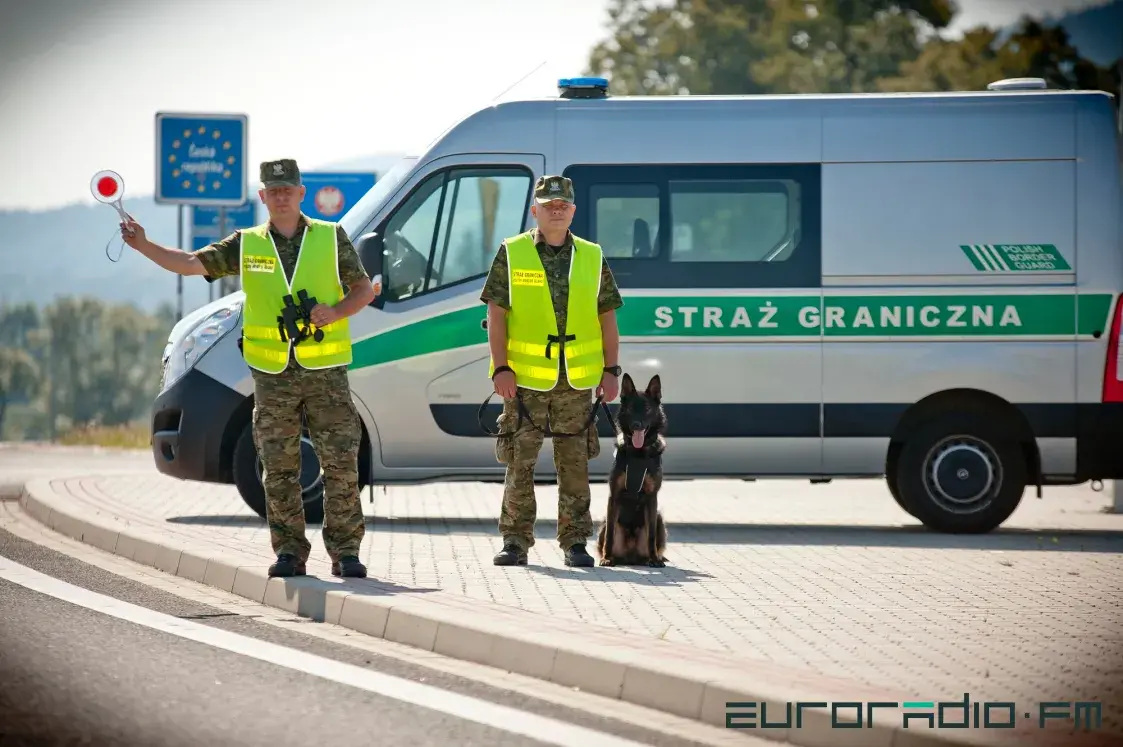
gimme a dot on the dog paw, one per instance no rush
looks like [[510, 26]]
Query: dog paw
[[607, 561], [656, 563]]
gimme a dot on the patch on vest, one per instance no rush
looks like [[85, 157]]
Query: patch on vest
[[528, 277], [259, 264]]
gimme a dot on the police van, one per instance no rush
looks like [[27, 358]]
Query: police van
[[917, 286]]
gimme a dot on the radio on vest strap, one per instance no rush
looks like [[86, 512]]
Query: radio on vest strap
[[551, 339]]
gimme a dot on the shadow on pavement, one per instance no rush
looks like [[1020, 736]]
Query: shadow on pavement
[[311, 592], [666, 576], [843, 535]]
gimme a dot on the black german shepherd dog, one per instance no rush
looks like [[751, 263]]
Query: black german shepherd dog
[[633, 532]]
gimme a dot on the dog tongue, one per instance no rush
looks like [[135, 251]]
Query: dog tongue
[[637, 439]]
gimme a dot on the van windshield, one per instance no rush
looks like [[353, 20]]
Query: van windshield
[[360, 212]]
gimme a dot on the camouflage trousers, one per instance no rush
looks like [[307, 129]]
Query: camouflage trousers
[[324, 398], [566, 410]]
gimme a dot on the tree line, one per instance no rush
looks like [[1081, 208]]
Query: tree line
[[726, 47], [76, 363]]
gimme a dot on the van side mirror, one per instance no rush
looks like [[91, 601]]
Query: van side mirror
[[371, 249]]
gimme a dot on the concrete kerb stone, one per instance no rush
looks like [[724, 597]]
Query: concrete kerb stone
[[650, 673], [11, 491]]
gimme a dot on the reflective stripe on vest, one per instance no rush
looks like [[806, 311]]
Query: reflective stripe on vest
[[265, 286], [533, 343]]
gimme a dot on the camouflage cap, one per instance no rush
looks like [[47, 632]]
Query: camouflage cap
[[283, 172], [550, 188]]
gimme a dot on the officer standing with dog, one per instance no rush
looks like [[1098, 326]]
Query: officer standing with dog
[[309, 376], [551, 321]]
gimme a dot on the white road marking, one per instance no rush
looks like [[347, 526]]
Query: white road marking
[[484, 712]]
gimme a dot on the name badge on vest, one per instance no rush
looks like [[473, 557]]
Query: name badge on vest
[[259, 264], [528, 277]]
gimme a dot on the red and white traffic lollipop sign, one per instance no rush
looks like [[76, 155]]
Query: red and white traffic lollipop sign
[[108, 188]]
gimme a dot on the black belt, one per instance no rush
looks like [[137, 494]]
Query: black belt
[[561, 341]]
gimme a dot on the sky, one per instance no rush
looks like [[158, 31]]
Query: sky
[[321, 81]]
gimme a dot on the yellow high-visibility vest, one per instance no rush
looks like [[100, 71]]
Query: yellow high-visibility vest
[[534, 345], [265, 286]]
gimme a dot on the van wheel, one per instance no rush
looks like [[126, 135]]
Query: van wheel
[[891, 482], [248, 470], [959, 474]]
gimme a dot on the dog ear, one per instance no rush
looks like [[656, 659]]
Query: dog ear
[[627, 386], [655, 388]]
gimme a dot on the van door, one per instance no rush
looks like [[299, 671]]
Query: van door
[[421, 365]]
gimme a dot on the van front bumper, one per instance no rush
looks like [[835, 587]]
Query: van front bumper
[[189, 421]]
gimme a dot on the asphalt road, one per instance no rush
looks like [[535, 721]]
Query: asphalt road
[[73, 675]]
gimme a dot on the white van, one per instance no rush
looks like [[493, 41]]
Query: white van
[[920, 286]]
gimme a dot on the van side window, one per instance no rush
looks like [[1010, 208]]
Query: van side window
[[447, 231], [734, 221], [625, 218], [704, 225]]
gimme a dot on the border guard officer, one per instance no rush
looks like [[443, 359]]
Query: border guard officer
[[551, 322], [292, 378]]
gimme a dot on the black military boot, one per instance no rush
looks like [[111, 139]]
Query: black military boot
[[511, 554], [287, 565], [349, 567], [579, 557]]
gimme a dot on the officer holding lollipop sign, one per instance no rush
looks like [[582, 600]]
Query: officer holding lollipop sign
[[307, 375]]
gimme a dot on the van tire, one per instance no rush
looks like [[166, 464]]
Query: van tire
[[247, 478], [891, 483], [961, 461]]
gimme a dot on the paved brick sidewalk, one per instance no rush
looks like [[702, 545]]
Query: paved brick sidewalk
[[834, 579]]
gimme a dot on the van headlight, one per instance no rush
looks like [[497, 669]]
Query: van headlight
[[182, 355]]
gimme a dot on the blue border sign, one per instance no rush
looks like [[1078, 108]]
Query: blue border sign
[[201, 159], [205, 223], [329, 195]]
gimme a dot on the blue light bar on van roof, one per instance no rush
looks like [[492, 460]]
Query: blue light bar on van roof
[[583, 88]]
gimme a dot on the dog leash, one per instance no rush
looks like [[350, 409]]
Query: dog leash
[[548, 432]]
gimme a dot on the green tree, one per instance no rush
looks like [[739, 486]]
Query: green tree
[[823, 46], [761, 46], [17, 323], [19, 379], [981, 56], [78, 362]]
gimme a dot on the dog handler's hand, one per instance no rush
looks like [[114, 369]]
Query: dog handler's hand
[[609, 387], [505, 384]]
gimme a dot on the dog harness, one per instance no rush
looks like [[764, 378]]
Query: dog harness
[[636, 468]]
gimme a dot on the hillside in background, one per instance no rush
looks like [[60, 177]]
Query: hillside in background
[[59, 252]]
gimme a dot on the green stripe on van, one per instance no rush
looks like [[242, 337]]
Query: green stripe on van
[[929, 316]]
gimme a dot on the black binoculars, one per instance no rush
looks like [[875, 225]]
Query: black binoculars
[[291, 313]]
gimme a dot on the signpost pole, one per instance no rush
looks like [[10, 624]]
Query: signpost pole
[[222, 233], [179, 278]]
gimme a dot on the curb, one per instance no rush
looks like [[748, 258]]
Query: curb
[[643, 671]]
